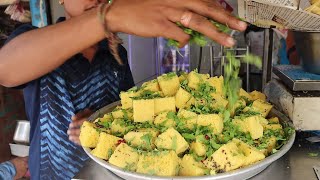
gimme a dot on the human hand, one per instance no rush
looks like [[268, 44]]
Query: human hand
[[153, 18], [74, 127], [21, 165]]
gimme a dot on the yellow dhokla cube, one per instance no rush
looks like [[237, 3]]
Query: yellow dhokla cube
[[219, 101], [143, 110], [258, 95], [213, 121], [183, 76], [188, 118], [244, 94], [241, 124], [105, 118], [271, 144], [106, 145], [163, 120], [141, 139], [164, 104], [241, 103], [199, 148], [190, 167], [119, 127], [254, 126], [217, 83], [88, 135], [169, 84], [252, 154], [122, 113], [126, 99], [263, 107], [182, 97], [228, 157], [171, 139], [274, 120], [161, 163], [125, 157], [117, 113], [194, 79], [263, 121], [151, 86]]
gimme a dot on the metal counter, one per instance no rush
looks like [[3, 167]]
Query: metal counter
[[297, 164]]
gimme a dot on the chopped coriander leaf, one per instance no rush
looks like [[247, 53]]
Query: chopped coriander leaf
[[169, 75], [98, 130], [209, 152], [147, 94], [106, 124], [174, 143], [313, 154], [214, 145], [129, 167], [125, 114], [147, 138], [197, 158], [110, 152], [274, 151], [189, 137], [133, 89], [151, 172]]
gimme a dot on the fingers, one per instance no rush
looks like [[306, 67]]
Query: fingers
[[76, 124], [172, 31], [211, 9], [85, 113], [73, 132], [74, 135], [75, 140], [202, 25]]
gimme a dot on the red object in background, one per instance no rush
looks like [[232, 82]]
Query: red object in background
[[225, 5], [292, 53]]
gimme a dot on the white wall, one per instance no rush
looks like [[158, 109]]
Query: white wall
[[56, 10], [142, 58]]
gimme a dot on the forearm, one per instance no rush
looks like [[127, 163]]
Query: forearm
[[40, 51]]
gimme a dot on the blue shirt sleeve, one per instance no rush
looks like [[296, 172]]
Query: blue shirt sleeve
[[7, 170]]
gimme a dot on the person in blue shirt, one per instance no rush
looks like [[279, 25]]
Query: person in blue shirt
[[69, 70], [14, 169]]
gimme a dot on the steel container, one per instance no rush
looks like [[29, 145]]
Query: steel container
[[242, 173], [22, 132]]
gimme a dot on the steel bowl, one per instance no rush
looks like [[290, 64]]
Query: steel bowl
[[308, 48], [22, 132], [242, 173]]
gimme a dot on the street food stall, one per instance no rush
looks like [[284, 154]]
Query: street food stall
[[268, 130]]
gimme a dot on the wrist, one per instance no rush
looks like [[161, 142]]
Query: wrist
[[110, 33]]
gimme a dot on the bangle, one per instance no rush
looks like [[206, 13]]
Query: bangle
[[113, 39]]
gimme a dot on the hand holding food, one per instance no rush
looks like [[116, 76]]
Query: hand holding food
[[152, 18]]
